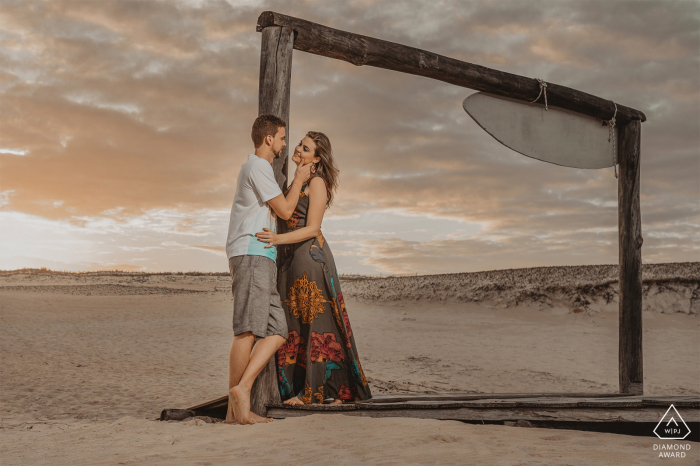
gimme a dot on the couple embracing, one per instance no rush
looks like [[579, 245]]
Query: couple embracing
[[291, 305]]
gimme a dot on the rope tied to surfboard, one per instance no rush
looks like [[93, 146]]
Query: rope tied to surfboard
[[611, 137], [543, 88]]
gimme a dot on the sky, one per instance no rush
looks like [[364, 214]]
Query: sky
[[123, 125]]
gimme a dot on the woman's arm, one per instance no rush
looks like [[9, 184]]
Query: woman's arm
[[317, 207]]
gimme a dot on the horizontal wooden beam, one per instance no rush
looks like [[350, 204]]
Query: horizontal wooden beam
[[613, 400], [639, 414], [591, 407], [362, 50], [502, 403], [404, 397], [452, 396]]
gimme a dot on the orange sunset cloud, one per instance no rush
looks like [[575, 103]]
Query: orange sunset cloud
[[123, 126]]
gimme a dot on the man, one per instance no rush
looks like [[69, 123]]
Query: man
[[257, 307]]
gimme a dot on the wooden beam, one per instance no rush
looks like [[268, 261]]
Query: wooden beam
[[404, 397], [362, 50], [501, 406], [223, 400], [599, 400], [630, 231], [275, 85], [502, 403], [607, 409], [273, 98], [631, 414]]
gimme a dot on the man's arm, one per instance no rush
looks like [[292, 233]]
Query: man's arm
[[317, 206], [284, 206]]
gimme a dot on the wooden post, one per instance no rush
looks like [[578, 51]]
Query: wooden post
[[273, 99], [275, 85], [630, 230]]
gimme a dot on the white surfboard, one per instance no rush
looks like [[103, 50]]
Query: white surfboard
[[556, 136]]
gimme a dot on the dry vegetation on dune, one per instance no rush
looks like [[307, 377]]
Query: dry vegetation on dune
[[101, 290], [668, 288], [113, 284], [106, 273]]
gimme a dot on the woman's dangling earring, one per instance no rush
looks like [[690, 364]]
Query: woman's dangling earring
[[314, 168]]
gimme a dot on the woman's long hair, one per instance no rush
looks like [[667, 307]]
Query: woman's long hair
[[326, 167]]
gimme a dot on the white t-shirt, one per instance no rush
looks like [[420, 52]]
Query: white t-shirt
[[250, 214]]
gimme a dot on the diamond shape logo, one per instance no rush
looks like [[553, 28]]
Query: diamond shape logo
[[672, 426]]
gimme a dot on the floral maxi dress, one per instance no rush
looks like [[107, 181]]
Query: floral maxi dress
[[319, 359]]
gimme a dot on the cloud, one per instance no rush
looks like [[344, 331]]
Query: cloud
[[217, 250], [13, 151], [132, 118]]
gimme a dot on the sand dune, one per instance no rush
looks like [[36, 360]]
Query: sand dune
[[101, 290], [89, 360], [668, 288]]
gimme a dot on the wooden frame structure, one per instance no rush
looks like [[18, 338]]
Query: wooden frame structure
[[282, 34], [547, 409]]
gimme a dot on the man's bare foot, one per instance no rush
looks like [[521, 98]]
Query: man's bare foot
[[230, 417], [293, 401], [336, 402], [241, 404], [259, 419]]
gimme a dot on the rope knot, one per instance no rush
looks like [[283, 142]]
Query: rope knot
[[543, 88], [611, 137]]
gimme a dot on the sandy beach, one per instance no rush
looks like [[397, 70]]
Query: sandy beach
[[89, 361]]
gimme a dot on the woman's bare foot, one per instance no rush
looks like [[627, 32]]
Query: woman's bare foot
[[336, 402], [294, 401], [240, 401]]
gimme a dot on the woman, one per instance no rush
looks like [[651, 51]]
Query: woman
[[319, 361]]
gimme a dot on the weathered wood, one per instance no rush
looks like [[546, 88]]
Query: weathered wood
[[678, 402], [559, 403], [211, 403], [176, 414], [547, 404], [478, 396], [644, 414], [606, 409], [447, 397], [273, 98], [265, 391], [622, 402], [275, 85], [630, 232], [593, 408], [362, 50]]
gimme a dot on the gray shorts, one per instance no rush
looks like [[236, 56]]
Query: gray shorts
[[256, 302]]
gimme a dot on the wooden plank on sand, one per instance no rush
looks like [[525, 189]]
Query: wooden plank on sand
[[501, 400], [498, 407], [479, 396], [645, 414]]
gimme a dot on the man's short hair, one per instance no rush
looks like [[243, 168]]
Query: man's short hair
[[265, 125]]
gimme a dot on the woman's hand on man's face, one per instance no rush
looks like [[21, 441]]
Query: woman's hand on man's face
[[267, 236]]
